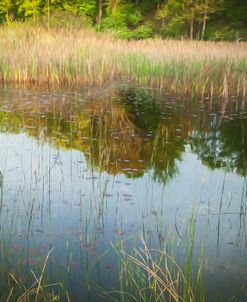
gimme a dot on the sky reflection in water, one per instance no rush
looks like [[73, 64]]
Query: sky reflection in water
[[83, 169]]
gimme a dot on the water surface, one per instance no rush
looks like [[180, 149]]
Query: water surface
[[84, 170]]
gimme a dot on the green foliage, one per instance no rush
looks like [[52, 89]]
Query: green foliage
[[110, 23], [195, 19], [30, 8], [125, 21], [144, 31], [123, 33], [134, 18], [87, 8], [122, 16], [223, 34], [63, 19], [6, 7], [168, 10]]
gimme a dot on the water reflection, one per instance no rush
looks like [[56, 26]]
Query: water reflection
[[224, 146], [129, 131], [84, 169]]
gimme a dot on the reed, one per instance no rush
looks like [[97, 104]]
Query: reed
[[149, 275], [38, 291], [34, 55]]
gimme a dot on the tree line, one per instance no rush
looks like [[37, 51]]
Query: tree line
[[194, 19]]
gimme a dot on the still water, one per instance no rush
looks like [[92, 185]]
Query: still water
[[85, 171]]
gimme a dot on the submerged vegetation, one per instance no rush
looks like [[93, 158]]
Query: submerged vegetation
[[74, 58]]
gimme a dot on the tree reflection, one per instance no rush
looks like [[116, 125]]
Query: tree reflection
[[225, 146], [129, 131]]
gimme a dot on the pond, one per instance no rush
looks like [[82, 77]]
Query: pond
[[85, 173]]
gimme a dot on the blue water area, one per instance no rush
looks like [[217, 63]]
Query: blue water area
[[88, 174]]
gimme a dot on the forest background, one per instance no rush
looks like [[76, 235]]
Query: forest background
[[136, 19]]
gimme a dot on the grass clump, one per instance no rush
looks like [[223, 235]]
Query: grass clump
[[38, 291], [149, 275], [58, 57]]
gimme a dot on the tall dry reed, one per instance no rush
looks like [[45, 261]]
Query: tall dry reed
[[66, 57]]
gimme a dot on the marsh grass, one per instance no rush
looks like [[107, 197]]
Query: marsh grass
[[149, 275], [34, 55], [38, 291]]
